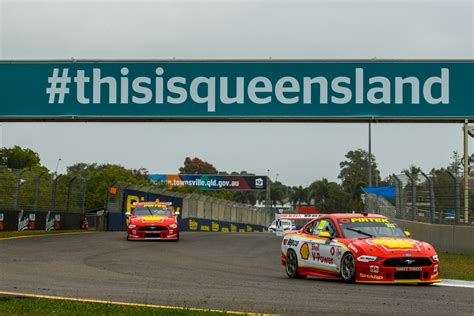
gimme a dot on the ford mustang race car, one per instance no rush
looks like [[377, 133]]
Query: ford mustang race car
[[364, 247], [152, 221]]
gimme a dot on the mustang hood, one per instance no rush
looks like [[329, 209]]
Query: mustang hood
[[153, 219], [388, 245]]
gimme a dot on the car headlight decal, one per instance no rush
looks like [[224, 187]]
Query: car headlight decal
[[173, 226], [132, 226], [435, 258]]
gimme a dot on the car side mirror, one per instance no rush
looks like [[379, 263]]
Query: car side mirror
[[407, 233], [324, 234], [128, 214], [176, 213]]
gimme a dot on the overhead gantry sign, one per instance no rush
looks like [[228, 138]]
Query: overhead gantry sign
[[237, 90]]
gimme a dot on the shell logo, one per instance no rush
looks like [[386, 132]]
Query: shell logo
[[394, 243], [304, 251]]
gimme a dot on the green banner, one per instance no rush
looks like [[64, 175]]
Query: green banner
[[253, 90]]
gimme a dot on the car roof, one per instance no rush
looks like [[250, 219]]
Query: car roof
[[335, 216]]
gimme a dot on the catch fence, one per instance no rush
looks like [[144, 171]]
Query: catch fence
[[35, 190], [436, 198]]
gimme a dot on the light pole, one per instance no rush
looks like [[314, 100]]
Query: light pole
[[57, 165], [267, 196], [370, 154], [1, 132], [468, 131]]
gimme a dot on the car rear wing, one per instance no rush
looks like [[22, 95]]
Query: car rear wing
[[297, 216], [279, 231]]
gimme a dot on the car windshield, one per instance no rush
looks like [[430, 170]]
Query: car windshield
[[152, 210], [366, 227]]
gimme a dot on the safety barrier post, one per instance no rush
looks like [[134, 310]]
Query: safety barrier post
[[53, 194], [413, 195], [398, 197], [457, 196], [69, 189], [37, 189], [84, 191], [432, 200], [17, 188]]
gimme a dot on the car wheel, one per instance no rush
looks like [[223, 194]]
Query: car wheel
[[292, 265], [348, 267]]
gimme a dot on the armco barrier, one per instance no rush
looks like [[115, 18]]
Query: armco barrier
[[29, 220], [445, 238]]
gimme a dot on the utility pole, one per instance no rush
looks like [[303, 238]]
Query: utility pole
[[466, 174], [267, 197], [370, 154]]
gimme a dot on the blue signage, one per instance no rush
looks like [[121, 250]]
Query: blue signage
[[254, 90]]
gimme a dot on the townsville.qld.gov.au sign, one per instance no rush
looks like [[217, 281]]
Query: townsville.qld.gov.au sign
[[239, 90]]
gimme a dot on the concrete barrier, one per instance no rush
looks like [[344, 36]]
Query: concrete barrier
[[216, 213], [445, 238]]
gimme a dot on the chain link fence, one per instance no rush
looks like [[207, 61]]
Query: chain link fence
[[41, 191], [432, 198]]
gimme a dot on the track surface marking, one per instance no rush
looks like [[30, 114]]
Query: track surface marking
[[229, 271], [42, 235], [61, 298]]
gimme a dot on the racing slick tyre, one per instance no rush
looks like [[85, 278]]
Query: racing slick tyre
[[291, 265], [348, 267]]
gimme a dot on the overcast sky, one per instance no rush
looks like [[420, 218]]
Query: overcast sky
[[299, 153]]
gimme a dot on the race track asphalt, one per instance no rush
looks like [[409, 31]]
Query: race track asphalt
[[230, 271]]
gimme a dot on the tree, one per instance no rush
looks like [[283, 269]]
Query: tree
[[413, 170], [246, 197], [456, 165], [354, 172], [100, 177], [197, 166], [330, 197], [298, 195], [19, 158], [140, 173], [277, 193]]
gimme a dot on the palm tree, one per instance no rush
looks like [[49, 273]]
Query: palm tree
[[298, 195]]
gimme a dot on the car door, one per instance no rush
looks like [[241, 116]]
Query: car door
[[324, 252]]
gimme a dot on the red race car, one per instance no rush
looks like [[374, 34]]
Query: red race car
[[363, 247], [152, 221]]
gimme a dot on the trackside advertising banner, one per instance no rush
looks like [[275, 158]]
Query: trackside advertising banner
[[208, 225], [213, 182], [252, 90]]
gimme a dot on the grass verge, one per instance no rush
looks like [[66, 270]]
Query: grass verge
[[456, 266], [14, 233], [32, 306]]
